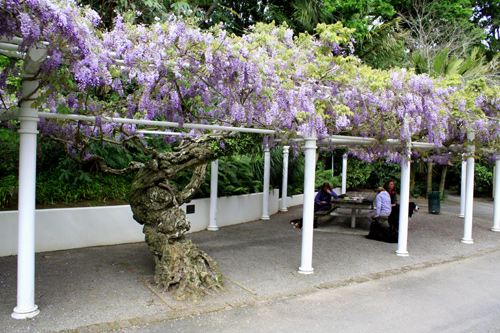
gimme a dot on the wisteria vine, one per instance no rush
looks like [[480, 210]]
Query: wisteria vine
[[306, 85]]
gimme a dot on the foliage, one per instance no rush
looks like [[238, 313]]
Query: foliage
[[439, 48], [82, 187], [383, 46], [367, 175], [323, 176], [266, 79], [420, 189], [295, 170], [360, 15], [8, 186], [381, 172], [358, 173], [483, 176], [290, 84], [9, 150], [487, 17], [236, 176]]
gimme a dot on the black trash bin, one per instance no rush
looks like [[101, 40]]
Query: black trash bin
[[434, 202]]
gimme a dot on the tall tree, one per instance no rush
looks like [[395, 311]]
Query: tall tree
[[487, 17]]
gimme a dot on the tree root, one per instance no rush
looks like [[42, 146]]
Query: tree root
[[181, 265]]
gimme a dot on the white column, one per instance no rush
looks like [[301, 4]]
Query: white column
[[404, 201], [462, 187], [267, 172], [214, 177], [284, 183], [496, 211], [26, 307], [308, 207], [332, 163], [469, 189], [344, 173], [494, 180]]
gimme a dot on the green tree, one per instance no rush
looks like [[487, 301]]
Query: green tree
[[486, 15], [379, 37]]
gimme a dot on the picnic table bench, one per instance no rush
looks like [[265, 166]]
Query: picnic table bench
[[357, 202]]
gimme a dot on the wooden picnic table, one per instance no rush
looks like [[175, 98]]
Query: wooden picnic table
[[357, 202]]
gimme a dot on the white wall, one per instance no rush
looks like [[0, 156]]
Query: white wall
[[68, 228]]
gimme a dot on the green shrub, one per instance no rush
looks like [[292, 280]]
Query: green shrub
[[9, 150], [381, 172], [483, 178], [326, 176], [7, 189], [358, 173]]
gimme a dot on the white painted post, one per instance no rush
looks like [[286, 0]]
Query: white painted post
[[214, 177], [462, 187], [267, 172], [404, 201], [308, 206], [496, 211], [494, 181], [332, 164], [26, 307], [344, 173], [469, 189], [28, 117], [284, 183]]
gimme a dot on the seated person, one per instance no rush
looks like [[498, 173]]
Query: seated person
[[383, 205], [323, 200], [391, 188]]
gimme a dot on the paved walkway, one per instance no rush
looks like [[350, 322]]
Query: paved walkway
[[109, 287]]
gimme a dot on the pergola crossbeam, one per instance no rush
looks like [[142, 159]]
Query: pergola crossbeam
[[154, 123]]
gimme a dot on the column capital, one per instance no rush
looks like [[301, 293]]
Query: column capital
[[310, 142], [471, 148]]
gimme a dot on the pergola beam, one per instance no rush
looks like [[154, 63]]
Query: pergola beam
[[154, 123]]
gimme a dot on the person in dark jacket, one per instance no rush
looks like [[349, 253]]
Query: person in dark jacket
[[391, 188], [323, 200]]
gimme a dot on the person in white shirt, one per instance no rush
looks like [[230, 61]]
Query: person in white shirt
[[383, 205]]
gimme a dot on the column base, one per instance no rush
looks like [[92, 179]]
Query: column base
[[495, 229], [25, 314], [283, 210], [213, 228], [306, 271], [265, 218], [467, 241], [402, 253], [461, 215]]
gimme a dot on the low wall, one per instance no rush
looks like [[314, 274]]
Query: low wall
[[68, 228]]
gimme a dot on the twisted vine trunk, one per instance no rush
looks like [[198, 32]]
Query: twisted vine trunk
[[156, 204]]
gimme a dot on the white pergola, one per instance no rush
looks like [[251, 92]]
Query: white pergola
[[29, 117]]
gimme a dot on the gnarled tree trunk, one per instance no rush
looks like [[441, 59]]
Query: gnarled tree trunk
[[156, 204]]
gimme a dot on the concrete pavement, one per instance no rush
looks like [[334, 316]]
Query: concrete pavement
[[110, 288], [461, 296]]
